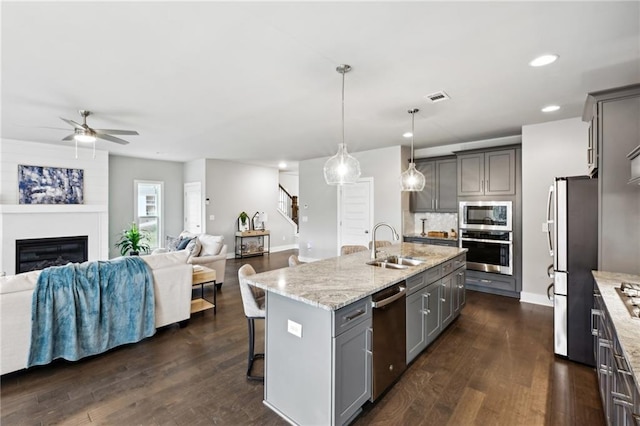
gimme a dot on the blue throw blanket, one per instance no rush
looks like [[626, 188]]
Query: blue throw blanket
[[85, 309]]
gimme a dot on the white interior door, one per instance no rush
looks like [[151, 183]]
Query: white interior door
[[193, 207], [355, 207]]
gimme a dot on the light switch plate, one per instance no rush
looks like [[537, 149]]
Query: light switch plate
[[545, 227], [212, 217], [294, 328]]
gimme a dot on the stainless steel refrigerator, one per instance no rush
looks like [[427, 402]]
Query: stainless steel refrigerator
[[572, 218]]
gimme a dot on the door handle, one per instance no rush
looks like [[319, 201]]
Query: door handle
[[366, 231], [549, 220]]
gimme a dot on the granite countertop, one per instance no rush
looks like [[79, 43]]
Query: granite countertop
[[336, 282], [426, 237], [627, 328]]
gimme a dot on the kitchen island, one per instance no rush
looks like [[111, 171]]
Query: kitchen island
[[617, 348], [318, 330]]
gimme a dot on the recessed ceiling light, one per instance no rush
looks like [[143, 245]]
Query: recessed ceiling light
[[282, 165], [543, 60], [407, 135], [550, 108]]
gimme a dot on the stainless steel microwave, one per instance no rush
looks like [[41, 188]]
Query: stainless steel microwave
[[486, 215]]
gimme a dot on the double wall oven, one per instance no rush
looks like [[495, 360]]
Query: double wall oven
[[486, 230]]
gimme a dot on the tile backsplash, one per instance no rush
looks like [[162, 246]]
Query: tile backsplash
[[434, 222]]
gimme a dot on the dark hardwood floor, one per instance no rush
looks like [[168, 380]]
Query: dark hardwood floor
[[493, 366]]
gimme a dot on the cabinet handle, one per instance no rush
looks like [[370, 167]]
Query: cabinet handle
[[355, 315], [594, 313], [621, 364], [425, 311], [443, 299], [621, 402], [485, 281], [369, 339]]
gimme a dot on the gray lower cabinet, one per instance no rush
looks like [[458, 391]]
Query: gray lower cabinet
[[432, 241], [459, 298], [352, 352], [504, 285], [487, 173], [619, 393], [433, 302], [446, 300], [303, 344]]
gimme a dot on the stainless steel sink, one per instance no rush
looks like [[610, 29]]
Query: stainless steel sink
[[388, 265], [395, 262]]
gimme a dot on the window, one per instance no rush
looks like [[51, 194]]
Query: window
[[149, 209]]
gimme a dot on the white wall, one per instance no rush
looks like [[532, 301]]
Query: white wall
[[550, 149], [20, 221], [233, 188], [122, 172], [290, 182], [318, 201]]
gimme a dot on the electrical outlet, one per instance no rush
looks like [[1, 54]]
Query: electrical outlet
[[305, 218], [545, 227], [284, 238], [212, 217], [294, 328]]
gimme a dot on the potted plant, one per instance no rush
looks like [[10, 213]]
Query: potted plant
[[133, 240], [244, 221]]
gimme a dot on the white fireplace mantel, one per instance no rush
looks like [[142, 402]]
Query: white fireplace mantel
[[52, 208]]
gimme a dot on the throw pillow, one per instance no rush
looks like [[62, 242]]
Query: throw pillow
[[211, 244], [194, 247], [171, 243], [184, 243]]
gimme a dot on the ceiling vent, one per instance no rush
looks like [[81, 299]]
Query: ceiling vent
[[437, 97]]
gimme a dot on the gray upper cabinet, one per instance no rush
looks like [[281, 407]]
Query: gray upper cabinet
[[487, 173], [440, 189]]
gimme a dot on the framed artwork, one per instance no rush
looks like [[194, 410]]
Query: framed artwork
[[50, 185]]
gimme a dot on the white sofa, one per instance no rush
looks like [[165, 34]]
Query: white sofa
[[172, 278]]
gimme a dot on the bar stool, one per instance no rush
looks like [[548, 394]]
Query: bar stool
[[253, 301]]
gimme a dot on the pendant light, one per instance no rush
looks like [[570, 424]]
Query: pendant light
[[412, 179], [342, 168]]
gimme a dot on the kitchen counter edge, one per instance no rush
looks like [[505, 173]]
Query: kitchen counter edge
[[336, 282]]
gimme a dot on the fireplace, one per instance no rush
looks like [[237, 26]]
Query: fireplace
[[40, 253]]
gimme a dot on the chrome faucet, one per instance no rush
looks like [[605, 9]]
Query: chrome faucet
[[374, 250]]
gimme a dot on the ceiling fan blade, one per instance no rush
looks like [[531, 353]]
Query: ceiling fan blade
[[72, 123], [111, 139], [116, 132], [69, 138]]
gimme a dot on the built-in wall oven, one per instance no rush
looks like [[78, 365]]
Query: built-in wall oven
[[486, 232]]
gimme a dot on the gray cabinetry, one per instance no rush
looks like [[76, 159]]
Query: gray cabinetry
[[352, 353], [446, 300], [439, 193], [487, 173], [432, 241], [619, 393], [433, 303], [504, 285], [615, 133], [460, 297], [330, 349]]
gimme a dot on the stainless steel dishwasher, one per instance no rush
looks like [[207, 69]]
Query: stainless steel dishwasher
[[388, 345]]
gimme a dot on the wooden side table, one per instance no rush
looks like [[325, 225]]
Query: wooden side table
[[201, 276], [262, 243]]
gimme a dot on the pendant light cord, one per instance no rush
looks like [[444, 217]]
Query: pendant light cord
[[343, 73], [413, 116]]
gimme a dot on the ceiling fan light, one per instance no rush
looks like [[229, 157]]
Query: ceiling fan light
[[411, 179], [342, 168], [84, 136]]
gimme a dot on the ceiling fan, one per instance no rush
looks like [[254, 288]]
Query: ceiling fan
[[84, 133]]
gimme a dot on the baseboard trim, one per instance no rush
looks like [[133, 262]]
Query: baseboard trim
[[535, 298]]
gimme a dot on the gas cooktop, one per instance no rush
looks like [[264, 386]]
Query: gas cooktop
[[630, 295]]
